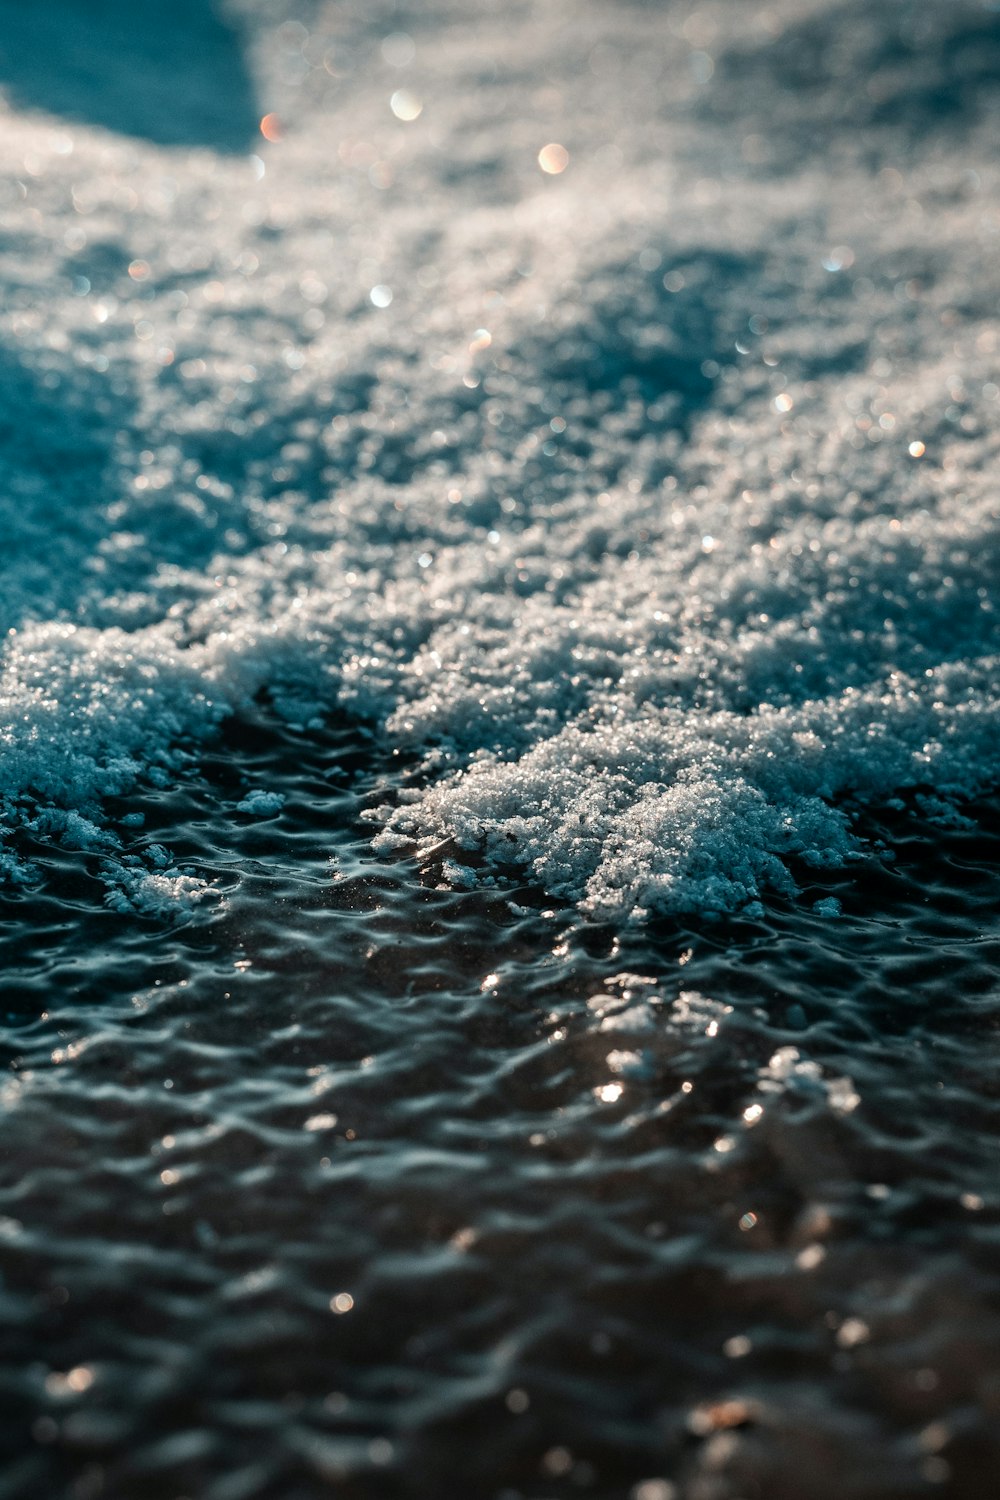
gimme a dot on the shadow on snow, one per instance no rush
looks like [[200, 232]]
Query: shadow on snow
[[169, 71]]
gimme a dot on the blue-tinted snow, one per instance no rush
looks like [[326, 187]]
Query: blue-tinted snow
[[651, 505]]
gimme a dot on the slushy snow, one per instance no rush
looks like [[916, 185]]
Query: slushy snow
[[649, 504]]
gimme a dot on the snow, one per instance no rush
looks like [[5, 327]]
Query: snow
[[261, 804], [648, 502]]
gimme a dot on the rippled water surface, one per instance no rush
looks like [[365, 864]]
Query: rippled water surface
[[599, 402], [354, 1184]]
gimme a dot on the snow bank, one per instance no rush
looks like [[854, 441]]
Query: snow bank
[[650, 501]]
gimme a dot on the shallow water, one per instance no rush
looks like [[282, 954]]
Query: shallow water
[[354, 1184], [582, 418]]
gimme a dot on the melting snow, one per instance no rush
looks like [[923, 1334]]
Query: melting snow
[[651, 501]]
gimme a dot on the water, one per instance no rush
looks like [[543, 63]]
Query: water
[[355, 1181], [498, 777]]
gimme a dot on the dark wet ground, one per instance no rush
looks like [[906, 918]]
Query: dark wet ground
[[352, 1185]]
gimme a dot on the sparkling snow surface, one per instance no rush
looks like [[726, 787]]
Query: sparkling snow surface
[[485, 489], [642, 492]]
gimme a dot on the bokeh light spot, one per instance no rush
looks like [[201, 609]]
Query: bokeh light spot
[[406, 105], [553, 159]]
